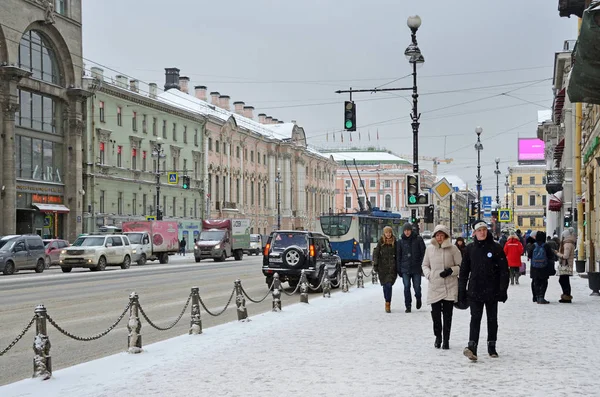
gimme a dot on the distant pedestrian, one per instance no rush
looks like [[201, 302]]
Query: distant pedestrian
[[542, 267], [384, 264], [484, 270], [513, 249], [503, 239], [441, 266], [410, 249], [566, 255], [182, 245], [460, 244]]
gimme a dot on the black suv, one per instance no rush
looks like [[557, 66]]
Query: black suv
[[289, 252]]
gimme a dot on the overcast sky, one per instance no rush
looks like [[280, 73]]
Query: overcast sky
[[287, 58]]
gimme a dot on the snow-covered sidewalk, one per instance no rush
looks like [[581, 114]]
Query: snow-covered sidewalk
[[348, 346]]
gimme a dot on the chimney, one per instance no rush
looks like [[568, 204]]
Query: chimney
[[248, 110], [280, 122], [134, 85], [121, 81], [274, 121], [171, 78], [98, 73], [238, 107], [224, 102], [200, 92], [262, 118], [152, 90], [268, 120], [184, 84], [214, 98], [293, 122]]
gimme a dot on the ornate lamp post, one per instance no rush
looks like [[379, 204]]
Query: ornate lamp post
[[157, 152], [478, 148], [497, 172], [506, 195]]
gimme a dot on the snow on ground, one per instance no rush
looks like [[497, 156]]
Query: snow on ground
[[348, 346]]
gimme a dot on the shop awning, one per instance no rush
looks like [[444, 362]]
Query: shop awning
[[555, 203], [51, 208], [559, 104]]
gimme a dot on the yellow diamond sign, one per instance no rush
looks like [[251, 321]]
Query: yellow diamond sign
[[442, 189]]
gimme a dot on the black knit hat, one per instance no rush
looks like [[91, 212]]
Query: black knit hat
[[407, 226]]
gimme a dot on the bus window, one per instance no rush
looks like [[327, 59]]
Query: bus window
[[335, 225]]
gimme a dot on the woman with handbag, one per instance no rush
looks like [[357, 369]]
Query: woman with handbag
[[514, 250], [566, 255]]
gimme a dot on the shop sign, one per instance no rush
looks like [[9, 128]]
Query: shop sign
[[40, 189], [38, 198], [591, 150]]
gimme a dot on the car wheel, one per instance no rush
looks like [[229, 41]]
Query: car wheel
[[40, 266], [9, 268], [293, 257], [126, 262], [315, 283], [101, 264], [66, 269], [142, 260]]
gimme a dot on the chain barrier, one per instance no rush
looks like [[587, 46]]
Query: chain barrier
[[320, 283], [172, 324], [90, 338], [222, 311], [293, 292], [260, 300], [18, 338], [367, 274]]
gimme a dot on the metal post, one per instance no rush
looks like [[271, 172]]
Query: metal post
[[326, 285], [196, 320], [42, 361], [478, 148], [360, 282], [134, 325], [506, 195], [344, 279], [451, 210], [497, 172], [240, 302], [303, 288], [276, 293], [159, 154]]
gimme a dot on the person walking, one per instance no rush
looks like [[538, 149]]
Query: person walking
[[513, 249], [542, 267], [384, 264], [566, 255], [482, 283], [182, 245], [410, 249], [460, 244], [441, 266]]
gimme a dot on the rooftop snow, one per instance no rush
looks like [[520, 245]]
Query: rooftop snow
[[366, 156]]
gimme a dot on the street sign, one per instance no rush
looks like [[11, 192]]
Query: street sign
[[173, 178], [505, 215], [487, 201], [150, 218], [442, 189]]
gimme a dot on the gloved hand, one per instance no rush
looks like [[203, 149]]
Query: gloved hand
[[446, 273], [502, 297], [463, 302]]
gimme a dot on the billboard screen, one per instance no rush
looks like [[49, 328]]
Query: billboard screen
[[531, 149]]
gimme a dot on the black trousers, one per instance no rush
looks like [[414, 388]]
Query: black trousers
[[437, 308], [565, 284], [491, 312], [539, 287]]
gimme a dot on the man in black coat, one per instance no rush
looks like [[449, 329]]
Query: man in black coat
[[483, 282], [410, 251]]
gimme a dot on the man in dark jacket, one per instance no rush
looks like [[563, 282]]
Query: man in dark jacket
[[485, 269], [410, 251], [540, 276]]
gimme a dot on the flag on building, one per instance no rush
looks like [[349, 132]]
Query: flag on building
[[350, 137], [342, 136], [369, 135], [378, 134], [359, 135]]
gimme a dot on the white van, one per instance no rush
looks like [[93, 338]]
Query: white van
[[256, 245]]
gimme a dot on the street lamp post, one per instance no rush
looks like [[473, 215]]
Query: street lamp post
[[415, 58], [158, 153], [497, 172], [479, 148], [506, 195], [278, 181]]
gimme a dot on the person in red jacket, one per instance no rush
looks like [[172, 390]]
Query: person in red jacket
[[513, 250]]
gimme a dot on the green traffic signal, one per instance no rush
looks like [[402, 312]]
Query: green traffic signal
[[412, 199], [349, 124]]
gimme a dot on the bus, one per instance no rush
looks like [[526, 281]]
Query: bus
[[348, 232]]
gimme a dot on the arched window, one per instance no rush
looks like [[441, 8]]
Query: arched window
[[37, 56], [388, 201]]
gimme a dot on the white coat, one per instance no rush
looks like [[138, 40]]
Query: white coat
[[437, 259]]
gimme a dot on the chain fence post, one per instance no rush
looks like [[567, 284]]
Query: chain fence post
[[195, 320], [242, 312], [326, 285], [42, 361], [303, 288], [344, 279], [360, 282], [276, 293], [134, 325], [374, 279]]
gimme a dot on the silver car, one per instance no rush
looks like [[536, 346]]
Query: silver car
[[21, 252]]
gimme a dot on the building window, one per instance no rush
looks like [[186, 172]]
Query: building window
[[185, 165], [144, 155], [224, 188], [258, 157], [348, 202], [134, 204], [154, 126], [264, 159], [102, 146], [519, 180], [372, 183], [252, 155], [543, 180], [225, 147], [217, 146], [388, 201], [144, 203], [134, 159], [185, 134], [36, 112], [237, 191], [217, 188], [532, 200], [195, 170], [195, 208], [37, 56], [174, 206], [134, 121], [175, 132], [348, 183], [373, 201], [61, 7], [210, 144], [144, 124], [119, 152], [519, 200], [245, 154], [174, 164], [532, 221], [184, 207], [119, 116], [195, 136], [532, 180], [387, 184], [120, 203], [164, 129], [265, 195], [237, 152], [102, 195], [544, 200], [101, 110], [251, 193]]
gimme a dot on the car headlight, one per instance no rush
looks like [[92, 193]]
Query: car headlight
[[217, 246], [133, 251], [63, 252]]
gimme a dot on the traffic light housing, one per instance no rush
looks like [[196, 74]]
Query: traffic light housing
[[428, 217], [475, 209], [414, 196], [186, 182], [568, 220], [349, 116]]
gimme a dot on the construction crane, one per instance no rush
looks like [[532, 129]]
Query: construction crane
[[436, 160]]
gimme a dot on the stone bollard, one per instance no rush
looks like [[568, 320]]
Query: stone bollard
[[360, 282], [326, 285], [344, 279], [303, 288], [42, 361], [276, 293], [196, 320], [374, 279], [240, 302], [134, 325]]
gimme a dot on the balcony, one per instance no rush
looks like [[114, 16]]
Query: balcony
[[228, 206], [554, 181]]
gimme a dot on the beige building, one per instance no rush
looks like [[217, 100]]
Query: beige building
[[527, 198]]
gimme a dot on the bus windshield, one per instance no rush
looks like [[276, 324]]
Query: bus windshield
[[335, 225]]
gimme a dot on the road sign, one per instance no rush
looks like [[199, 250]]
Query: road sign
[[442, 189], [173, 178], [150, 218], [505, 215], [487, 201]]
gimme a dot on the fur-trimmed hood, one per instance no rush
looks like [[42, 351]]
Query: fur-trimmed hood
[[447, 241]]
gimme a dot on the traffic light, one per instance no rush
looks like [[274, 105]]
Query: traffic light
[[428, 218], [475, 209], [414, 196], [568, 220], [349, 116], [186, 182]]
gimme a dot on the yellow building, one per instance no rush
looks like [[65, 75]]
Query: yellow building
[[528, 196]]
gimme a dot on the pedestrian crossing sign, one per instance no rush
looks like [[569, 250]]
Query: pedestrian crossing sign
[[173, 178], [505, 215]]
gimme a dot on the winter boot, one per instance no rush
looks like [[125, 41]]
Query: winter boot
[[471, 351], [517, 278], [438, 342], [542, 301], [419, 303], [447, 309], [407, 310], [437, 329], [388, 309], [564, 298], [492, 349]]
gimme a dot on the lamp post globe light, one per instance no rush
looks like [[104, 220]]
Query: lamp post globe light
[[278, 181], [415, 58], [478, 148], [157, 152], [497, 172]]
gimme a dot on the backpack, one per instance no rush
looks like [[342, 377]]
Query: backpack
[[539, 259]]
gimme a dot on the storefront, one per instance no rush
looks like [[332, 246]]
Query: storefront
[[40, 209]]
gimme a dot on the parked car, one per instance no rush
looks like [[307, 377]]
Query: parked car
[[289, 252], [20, 252], [96, 251], [53, 248]]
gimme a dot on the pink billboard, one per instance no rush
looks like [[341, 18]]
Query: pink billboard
[[531, 149]]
